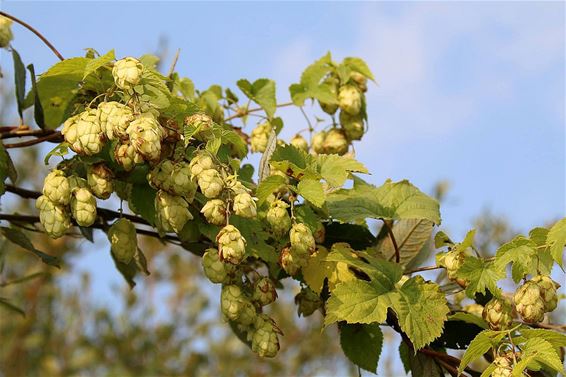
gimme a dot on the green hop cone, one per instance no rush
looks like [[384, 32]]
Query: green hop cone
[[172, 211], [332, 84], [453, 260], [210, 183], [160, 177], [123, 240], [548, 289], [260, 137], [202, 123], [231, 245], [504, 367], [6, 35], [127, 156], [115, 119], [302, 240], [350, 99], [291, 262], [529, 302], [265, 342], [317, 142], [83, 132], [498, 313], [145, 135], [56, 187], [244, 205], [69, 132], [201, 162], [353, 125], [215, 212], [359, 80], [335, 142], [232, 184], [215, 270], [278, 218], [55, 218], [307, 302], [264, 291], [127, 73], [99, 178], [181, 181], [300, 142], [83, 207], [236, 306]]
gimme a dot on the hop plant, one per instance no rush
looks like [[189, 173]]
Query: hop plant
[[215, 211], [83, 132], [278, 218], [215, 270], [260, 137], [115, 119], [127, 156], [99, 178], [300, 142], [265, 341], [127, 73], [244, 205], [6, 35], [172, 211], [359, 80], [145, 135], [307, 302], [231, 245], [498, 313], [55, 219], [353, 125], [210, 183], [504, 367], [302, 240], [123, 240], [264, 291], [529, 302], [236, 306], [56, 187], [350, 99], [548, 289], [335, 142], [83, 207], [200, 163], [453, 260], [317, 142]]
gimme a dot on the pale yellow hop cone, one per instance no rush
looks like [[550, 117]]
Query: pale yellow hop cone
[[146, 134], [127, 73], [115, 119], [300, 142], [199, 163], [317, 142], [6, 35], [172, 211], [231, 245], [265, 342], [210, 183], [335, 142], [123, 240], [215, 211], [99, 178], [278, 218], [264, 291], [260, 137], [353, 125], [529, 302], [548, 292], [83, 207], [244, 205], [127, 156], [56, 187], [498, 313], [302, 240], [215, 270], [55, 219], [350, 99]]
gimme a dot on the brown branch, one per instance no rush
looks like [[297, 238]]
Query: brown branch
[[393, 240], [55, 138], [33, 30], [244, 112], [548, 326], [13, 132]]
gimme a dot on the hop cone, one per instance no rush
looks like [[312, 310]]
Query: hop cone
[[56, 188], [160, 177], [548, 289], [260, 137], [127, 156], [201, 122], [353, 125], [504, 367], [200, 163], [236, 306], [6, 35], [232, 184], [83, 207], [83, 132], [265, 342], [123, 240], [317, 142], [54, 218], [215, 270], [264, 291], [278, 218], [300, 142], [330, 108], [99, 178], [231, 245], [244, 205], [145, 135], [453, 260], [307, 302], [291, 262], [215, 211], [498, 314], [181, 181], [210, 183], [302, 240], [172, 211], [359, 80], [335, 142], [115, 119], [127, 73], [350, 99], [529, 302]]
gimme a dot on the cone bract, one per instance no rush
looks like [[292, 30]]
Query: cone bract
[[498, 313], [529, 302], [145, 135], [115, 119]]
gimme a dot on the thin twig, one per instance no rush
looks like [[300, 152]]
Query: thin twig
[[174, 63], [14, 132], [57, 138], [33, 30], [393, 240]]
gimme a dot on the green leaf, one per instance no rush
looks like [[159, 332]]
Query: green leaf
[[358, 236], [358, 65], [60, 150], [20, 81], [394, 201], [17, 237], [556, 239], [419, 364], [142, 202], [468, 318], [411, 235], [127, 270], [262, 92], [522, 253], [311, 190], [230, 137], [256, 237], [421, 309], [541, 351], [38, 113], [482, 343], [268, 186], [336, 169], [362, 344], [101, 61], [4, 302], [7, 168], [441, 239], [555, 338], [481, 275], [294, 162], [315, 72]]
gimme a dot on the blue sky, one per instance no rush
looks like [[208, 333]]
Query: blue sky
[[471, 92]]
